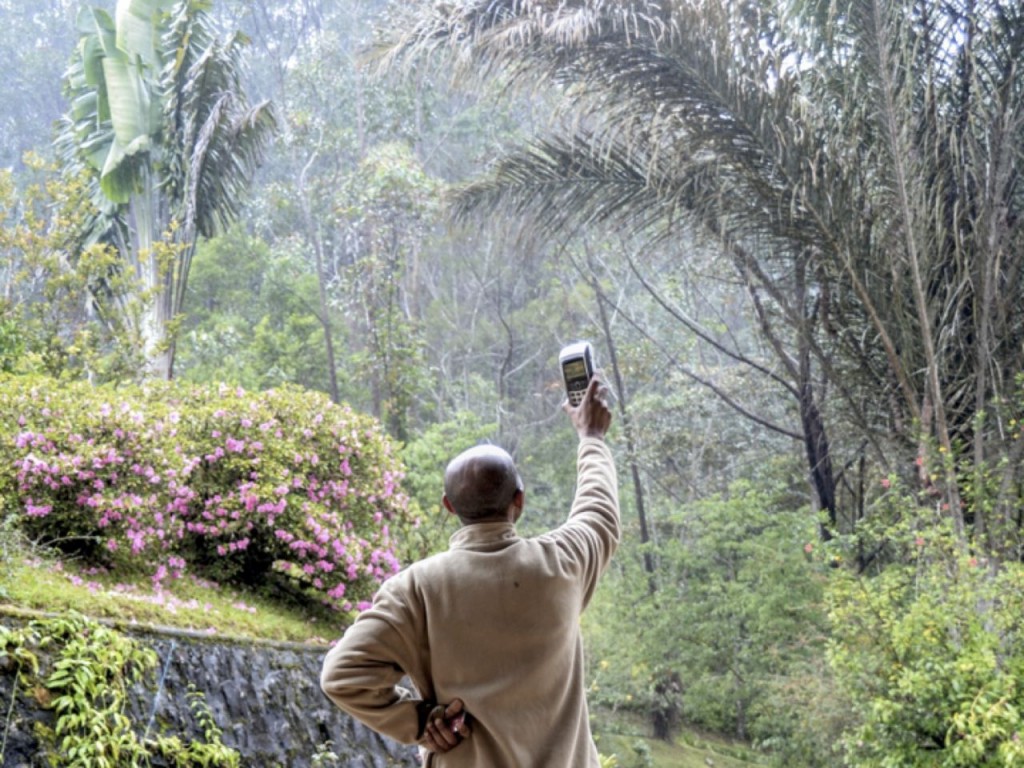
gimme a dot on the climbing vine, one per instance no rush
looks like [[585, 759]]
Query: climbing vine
[[93, 670]]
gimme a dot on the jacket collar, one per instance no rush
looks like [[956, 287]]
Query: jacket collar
[[484, 537]]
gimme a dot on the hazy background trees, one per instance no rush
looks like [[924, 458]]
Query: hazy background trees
[[795, 230]]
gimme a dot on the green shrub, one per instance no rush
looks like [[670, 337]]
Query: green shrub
[[930, 651]]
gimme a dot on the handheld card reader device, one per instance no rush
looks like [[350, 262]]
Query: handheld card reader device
[[577, 364]]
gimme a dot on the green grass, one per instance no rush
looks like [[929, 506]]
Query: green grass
[[47, 584], [630, 754], [625, 737]]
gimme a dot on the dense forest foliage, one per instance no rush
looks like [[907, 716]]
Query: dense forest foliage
[[792, 231]]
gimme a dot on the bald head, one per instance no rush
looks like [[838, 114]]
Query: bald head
[[481, 483]]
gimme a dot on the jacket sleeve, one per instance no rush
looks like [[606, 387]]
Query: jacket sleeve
[[361, 673], [593, 530]]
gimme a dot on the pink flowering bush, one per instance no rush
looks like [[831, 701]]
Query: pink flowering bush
[[279, 488]]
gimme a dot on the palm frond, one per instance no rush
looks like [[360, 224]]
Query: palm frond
[[562, 185]]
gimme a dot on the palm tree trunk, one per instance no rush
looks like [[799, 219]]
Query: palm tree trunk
[[899, 151]]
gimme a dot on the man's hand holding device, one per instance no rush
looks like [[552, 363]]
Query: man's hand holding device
[[586, 394]]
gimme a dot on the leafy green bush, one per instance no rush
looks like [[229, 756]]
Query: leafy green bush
[[930, 651], [229, 485]]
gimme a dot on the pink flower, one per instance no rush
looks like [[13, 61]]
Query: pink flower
[[37, 510]]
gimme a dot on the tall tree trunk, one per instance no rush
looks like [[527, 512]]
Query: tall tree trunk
[[313, 233], [627, 427], [819, 458], [813, 431], [152, 277]]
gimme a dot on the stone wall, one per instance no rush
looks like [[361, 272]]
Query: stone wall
[[266, 698]]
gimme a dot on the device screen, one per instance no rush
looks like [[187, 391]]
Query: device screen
[[576, 372], [576, 377]]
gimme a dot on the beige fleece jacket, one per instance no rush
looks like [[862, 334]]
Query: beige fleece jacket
[[493, 621]]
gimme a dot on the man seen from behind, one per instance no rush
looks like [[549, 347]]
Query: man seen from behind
[[489, 631]]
